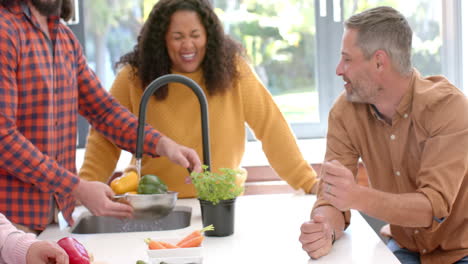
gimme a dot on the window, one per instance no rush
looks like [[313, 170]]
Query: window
[[425, 18], [294, 45], [464, 27], [110, 31], [280, 40], [293, 53]]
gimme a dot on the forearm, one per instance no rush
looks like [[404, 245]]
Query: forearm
[[335, 216], [14, 244], [109, 117], [407, 209], [280, 146], [120, 126]]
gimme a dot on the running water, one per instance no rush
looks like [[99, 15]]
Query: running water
[[139, 225]]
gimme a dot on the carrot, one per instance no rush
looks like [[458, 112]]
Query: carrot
[[168, 245], [193, 242], [196, 233], [152, 244]]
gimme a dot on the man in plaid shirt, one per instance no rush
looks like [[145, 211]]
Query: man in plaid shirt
[[45, 83]]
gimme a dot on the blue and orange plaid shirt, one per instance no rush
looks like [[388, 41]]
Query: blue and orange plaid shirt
[[44, 85]]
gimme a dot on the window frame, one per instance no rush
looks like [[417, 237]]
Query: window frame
[[452, 42]]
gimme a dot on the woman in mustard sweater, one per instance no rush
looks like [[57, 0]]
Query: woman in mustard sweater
[[186, 37]]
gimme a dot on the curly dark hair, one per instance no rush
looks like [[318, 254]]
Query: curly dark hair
[[150, 58], [66, 11]]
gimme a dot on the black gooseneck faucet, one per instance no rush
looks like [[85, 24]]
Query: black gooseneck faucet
[[150, 90]]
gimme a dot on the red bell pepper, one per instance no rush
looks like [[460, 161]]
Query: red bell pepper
[[77, 253]]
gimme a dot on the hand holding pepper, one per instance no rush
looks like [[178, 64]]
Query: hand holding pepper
[[97, 197], [43, 252], [76, 251]]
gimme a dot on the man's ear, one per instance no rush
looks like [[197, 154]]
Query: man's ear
[[381, 59]]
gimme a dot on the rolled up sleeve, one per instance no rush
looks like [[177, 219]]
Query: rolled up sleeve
[[445, 158]]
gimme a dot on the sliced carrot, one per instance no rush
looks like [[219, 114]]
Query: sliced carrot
[[193, 242], [152, 244], [167, 244], [195, 233], [155, 245]]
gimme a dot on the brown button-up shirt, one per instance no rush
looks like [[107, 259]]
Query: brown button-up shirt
[[424, 150]]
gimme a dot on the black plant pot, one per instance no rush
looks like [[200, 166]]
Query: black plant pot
[[221, 216]]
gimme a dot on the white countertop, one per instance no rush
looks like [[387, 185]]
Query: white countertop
[[267, 229]]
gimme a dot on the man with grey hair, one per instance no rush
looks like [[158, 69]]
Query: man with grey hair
[[411, 133]]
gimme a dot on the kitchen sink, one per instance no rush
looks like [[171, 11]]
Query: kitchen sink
[[91, 224]]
